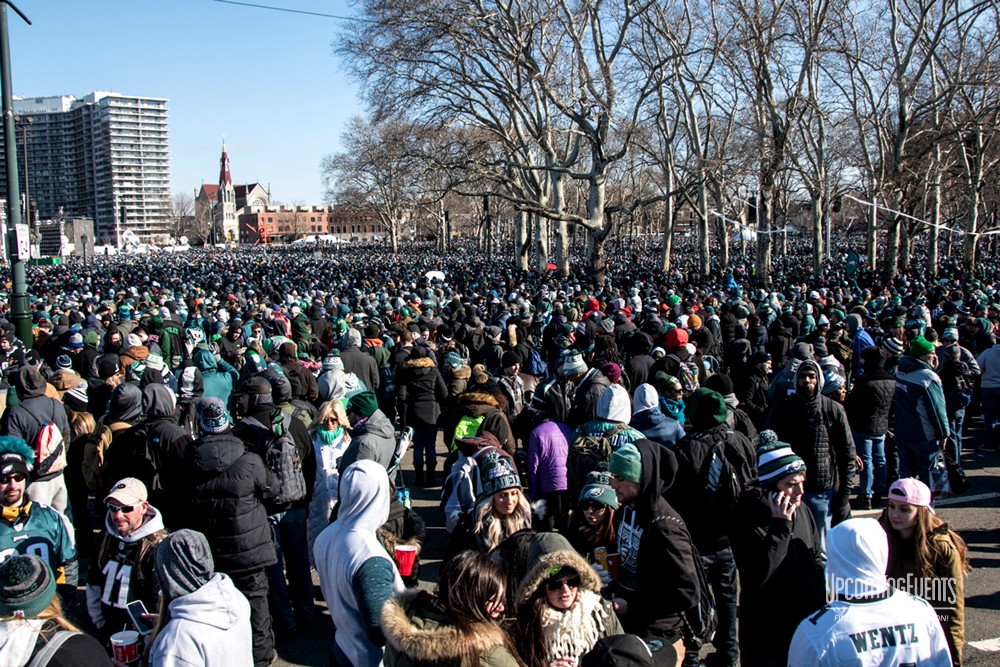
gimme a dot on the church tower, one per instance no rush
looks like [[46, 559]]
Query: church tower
[[226, 217]]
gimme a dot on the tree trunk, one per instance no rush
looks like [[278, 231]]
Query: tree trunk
[[394, 237], [541, 244], [704, 240], [764, 209], [597, 259], [817, 234], [522, 246], [668, 223], [562, 247], [905, 244], [972, 238], [932, 253], [871, 234]]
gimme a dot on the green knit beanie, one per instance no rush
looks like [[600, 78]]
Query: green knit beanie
[[626, 463], [920, 347]]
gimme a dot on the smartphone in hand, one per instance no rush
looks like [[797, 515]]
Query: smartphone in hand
[[137, 612]]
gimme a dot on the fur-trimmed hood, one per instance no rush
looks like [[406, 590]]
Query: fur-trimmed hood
[[539, 572], [478, 398], [462, 373], [415, 627], [419, 362]]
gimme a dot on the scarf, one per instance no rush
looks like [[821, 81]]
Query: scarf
[[573, 632], [673, 409], [17, 640], [327, 436]]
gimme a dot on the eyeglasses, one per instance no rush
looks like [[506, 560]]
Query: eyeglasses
[[557, 584], [124, 509], [14, 477], [593, 506]]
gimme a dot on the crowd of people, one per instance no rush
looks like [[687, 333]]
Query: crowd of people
[[199, 435]]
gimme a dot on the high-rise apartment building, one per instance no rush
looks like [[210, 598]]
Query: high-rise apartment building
[[104, 157]]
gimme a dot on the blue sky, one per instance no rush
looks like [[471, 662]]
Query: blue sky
[[267, 80]]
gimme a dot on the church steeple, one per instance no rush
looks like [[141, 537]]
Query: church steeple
[[225, 178]]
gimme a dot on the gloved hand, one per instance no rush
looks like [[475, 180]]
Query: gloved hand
[[540, 509], [603, 574]]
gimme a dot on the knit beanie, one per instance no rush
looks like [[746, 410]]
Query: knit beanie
[[893, 346], [920, 347], [676, 338], [184, 563], [508, 359], [26, 586], [721, 383], [497, 474], [573, 364], [75, 342], [707, 409], [212, 415], [364, 404], [951, 333], [64, 363], [626, 463], [598, 489], [76, 398], [776, 460], [832, 381], [333, 361]]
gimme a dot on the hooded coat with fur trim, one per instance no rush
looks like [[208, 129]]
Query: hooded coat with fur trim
[[421, 391], [479, 404], [418, 634], [577, 629]]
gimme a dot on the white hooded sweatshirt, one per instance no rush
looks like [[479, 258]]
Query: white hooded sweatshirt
[[208, 627], [867, 624], [347, 544]]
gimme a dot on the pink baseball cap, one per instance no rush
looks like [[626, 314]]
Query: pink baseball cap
[[912, 492]]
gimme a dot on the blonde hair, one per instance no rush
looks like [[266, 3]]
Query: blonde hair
[[81, 423], [332, 408], [54, 613], [493, 528]]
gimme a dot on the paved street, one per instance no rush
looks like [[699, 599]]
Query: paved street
[[975, 516]]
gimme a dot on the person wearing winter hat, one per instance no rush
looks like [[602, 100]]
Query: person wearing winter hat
[[33, 629], [372, 434], [921, 426], [226, 486], [707, 519], [203, 619], [922, 548], [592, 525], [590, 386], [777, 548], [649, 419], [865, 608], [817, 427], [502, 508], [657, 582], [560, 611]]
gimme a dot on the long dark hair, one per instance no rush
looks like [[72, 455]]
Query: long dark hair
[[468, 582]]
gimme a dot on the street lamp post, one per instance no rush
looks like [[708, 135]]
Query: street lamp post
[[20, 314], [23, 123]]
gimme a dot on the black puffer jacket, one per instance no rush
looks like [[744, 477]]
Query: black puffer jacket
[[225, 487], [870, 401], [167, 442], [422, 390]]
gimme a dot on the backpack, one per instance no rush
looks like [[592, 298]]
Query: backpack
[[535, 365], [50, 449], [587, 454], [466, 427], [281, 457], [687, 373], [718, 481], [95, 449]]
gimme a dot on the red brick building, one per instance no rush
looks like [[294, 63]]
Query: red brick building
[[288, 223]]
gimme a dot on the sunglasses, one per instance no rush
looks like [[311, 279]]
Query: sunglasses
[[593, 506], [124, 509], [14, 477], [557, 584]]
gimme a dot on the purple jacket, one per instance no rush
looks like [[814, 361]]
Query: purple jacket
[[548, 446]]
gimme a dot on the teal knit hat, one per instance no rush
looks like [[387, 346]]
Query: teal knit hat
[[364, 404], [626, 463], [26, 586]]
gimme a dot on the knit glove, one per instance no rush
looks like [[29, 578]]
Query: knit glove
[[602, 573]]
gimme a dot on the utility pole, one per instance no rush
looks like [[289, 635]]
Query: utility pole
[[20, 314]]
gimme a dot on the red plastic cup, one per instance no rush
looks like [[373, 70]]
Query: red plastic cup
[[406, 556], [125, 645], [615, 562]]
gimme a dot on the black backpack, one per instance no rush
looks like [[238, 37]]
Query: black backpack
[[587, 454], [280, 455]]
